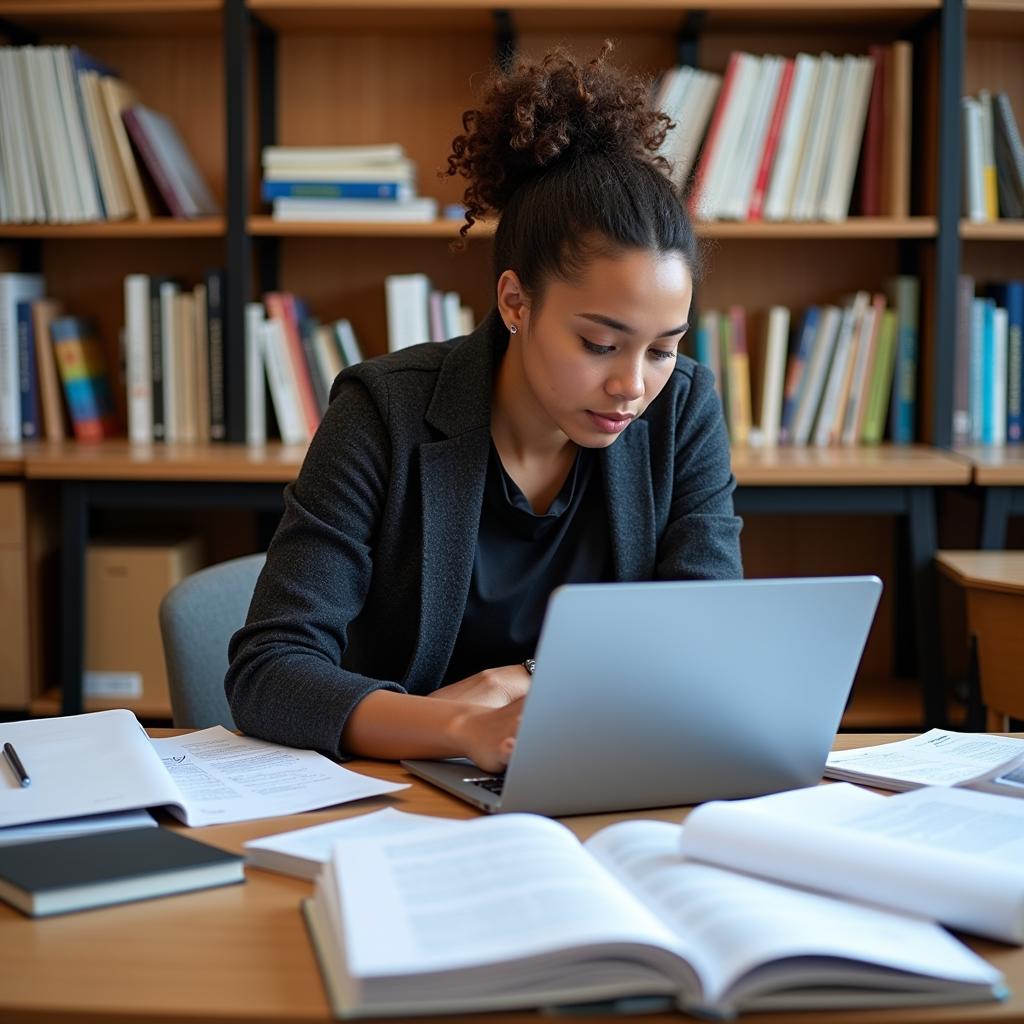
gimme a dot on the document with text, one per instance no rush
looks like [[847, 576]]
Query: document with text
[[104, 761]]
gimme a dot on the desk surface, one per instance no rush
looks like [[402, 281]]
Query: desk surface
[[1000, 571], [241, 953], [884, 465], [996, 466]]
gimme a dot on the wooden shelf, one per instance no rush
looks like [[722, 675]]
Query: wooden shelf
[[264, 225], [994, 231], [114, 17], [543, 15], [119, 460], [158, 227], [854, 228], [884, 465], [995, 466]]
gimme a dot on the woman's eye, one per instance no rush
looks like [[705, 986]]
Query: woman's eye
[[661, 353], [598, 350]]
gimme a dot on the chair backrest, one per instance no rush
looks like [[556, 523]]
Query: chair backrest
[[197, 619]]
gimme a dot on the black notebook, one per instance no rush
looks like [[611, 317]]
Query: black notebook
[[62, 875]]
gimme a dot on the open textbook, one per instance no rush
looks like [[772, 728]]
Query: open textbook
[[104, 761], [950, 854], [994, 764], [511, 912]]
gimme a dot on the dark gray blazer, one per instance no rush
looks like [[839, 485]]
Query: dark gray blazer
[[367, 576]]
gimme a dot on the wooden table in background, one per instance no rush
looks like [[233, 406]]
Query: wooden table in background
[[999, 470], [241, 953]]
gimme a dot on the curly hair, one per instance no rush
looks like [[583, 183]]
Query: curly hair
[[566, 154]]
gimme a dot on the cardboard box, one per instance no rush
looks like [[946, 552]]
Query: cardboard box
[[124, 585]]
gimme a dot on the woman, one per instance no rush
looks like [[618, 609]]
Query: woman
[[451, 487]]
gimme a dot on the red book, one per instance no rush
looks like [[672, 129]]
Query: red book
[[711, 140], [281, 306], [874, 134], [771, 143]]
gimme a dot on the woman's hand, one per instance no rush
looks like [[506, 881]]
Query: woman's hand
[[488, 735], [492, 688]]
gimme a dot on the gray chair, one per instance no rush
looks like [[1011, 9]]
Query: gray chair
[[197, 619]]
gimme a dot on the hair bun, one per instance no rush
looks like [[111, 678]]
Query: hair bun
[[545, 112]]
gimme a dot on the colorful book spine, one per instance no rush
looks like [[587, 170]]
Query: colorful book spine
[[1011, 297], [383, 190], [904, 295], [799, 356], [881, 380], [83, 373]]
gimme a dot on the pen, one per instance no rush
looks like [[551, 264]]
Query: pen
[[16, 766]]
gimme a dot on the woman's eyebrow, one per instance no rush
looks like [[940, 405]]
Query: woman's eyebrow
[[618, 325]]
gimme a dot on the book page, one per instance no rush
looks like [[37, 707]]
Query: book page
[[504, 888], [899, 851], [731, 924], [221, 777], [936, 758], [81, 764]]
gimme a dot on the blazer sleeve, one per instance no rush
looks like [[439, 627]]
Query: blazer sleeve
[[285, 682], [702, 539]]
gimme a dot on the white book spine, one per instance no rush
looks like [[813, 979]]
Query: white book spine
[[974, 171], [774, 374], [861, 374], [778, 201], [408, 296], [255, 390], [827, 428], [14, 288], [138, 370], [33, 89], [78, 152], [835, 205], [812, 166], [700, 99], [283, 389]]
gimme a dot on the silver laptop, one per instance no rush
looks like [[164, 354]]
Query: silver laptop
[[658, 694]]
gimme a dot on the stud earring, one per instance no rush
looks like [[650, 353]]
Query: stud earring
[[512, 329]]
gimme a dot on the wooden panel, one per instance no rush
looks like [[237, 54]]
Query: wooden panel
[[346, 278], [377, 87], [14, 643], [12, 515], [1001, 571], [996, 466], [995, 619]]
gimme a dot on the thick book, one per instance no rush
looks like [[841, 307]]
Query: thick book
[[104, 761], [58, 876], [939, 757], [83, 372], [514, 912], [896, 852]]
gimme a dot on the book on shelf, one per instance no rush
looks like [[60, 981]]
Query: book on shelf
[[862, 371], [348, 344], [169, 162], [59, 876], [870, 170], [104, 760], [515, 912], [812, 383], [285, 397], [878, 404], [737, 357], [961, 426], [407, 302], [988, 156], [255, 389], [283, 308], [44, 312], [773, 137], [28, 373], [792, 140], [836, 389], [1009, 296], [898, 110], [83, 372], [420, 210], [851, 115], [118, 97], [284, 158], [940, 757], [1009, 156], [137, 351], [325, 190], [14, 289], [821, 129], [904, 293], [975, 207]]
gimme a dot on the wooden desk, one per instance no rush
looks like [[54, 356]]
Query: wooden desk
[[241, 953], [994, 585], [895, 480]]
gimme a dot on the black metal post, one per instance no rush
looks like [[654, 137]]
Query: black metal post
[[947, 244], [238, 243], [268, 249], [688, 38], [505, 42]]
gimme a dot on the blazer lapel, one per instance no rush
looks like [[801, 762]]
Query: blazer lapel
[[630, 496]]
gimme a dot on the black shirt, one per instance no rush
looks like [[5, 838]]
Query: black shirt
[[521, 557]]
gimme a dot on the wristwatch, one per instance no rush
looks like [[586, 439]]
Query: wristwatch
[[530, 665]]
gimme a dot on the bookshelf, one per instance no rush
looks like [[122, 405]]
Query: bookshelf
[[234, 75]]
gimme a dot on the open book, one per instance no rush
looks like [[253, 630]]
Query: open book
[[511, 911], [949, 854], [993, 764], [104, 761]]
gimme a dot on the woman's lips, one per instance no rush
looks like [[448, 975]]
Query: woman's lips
[[610, 422]]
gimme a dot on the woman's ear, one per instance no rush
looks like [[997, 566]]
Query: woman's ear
[[513, 305]]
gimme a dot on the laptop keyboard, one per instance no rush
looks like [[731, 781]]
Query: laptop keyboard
[[493, 784]]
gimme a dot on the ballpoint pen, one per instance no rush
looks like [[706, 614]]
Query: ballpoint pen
[[16, 766]]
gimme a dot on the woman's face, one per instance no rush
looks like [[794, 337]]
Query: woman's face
[[597, 352]]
